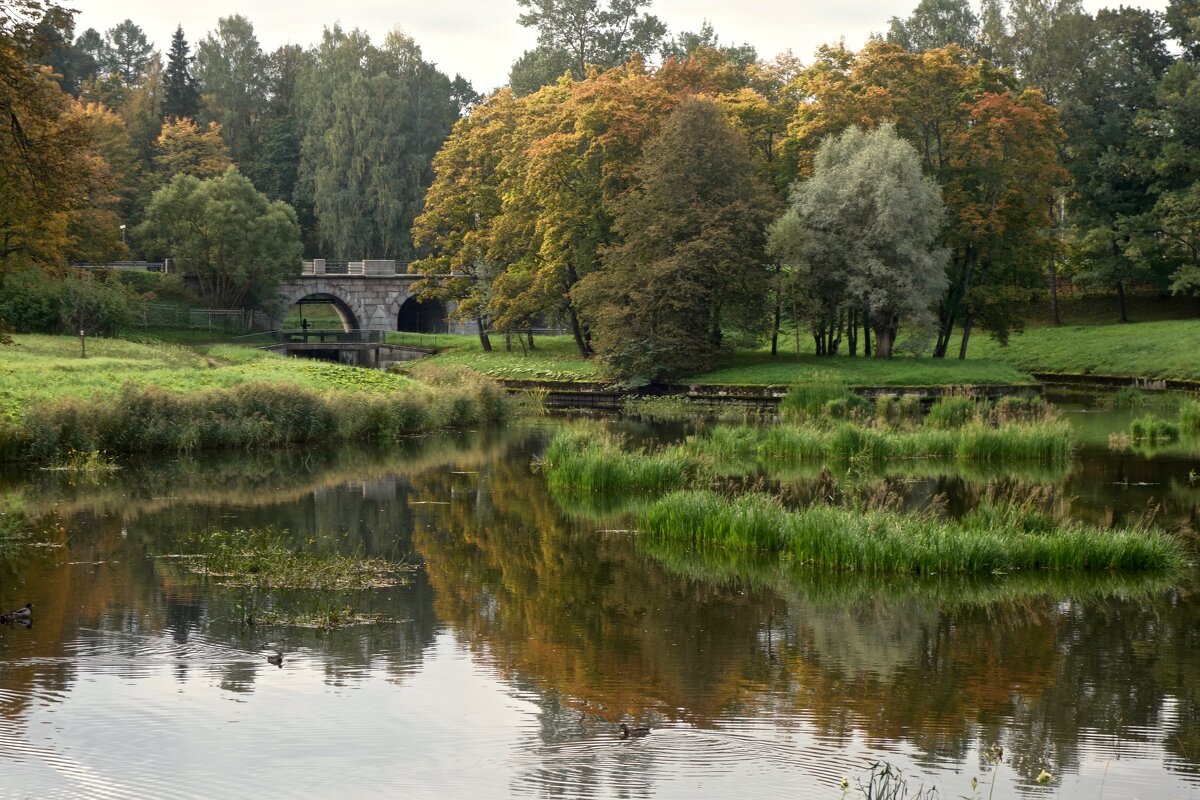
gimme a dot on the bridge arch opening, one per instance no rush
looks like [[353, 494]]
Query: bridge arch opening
[[320, 312], [427, 316]]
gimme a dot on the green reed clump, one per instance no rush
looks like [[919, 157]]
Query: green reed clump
[[248, 416], [574, 464], [1129, 397], [952, 411], [749, 522], [822, 396], [1038, 441], [1189, 416], [727, 449], [1021, 408], [1153, 430], [977, 442], [872, 540], [897, 410]]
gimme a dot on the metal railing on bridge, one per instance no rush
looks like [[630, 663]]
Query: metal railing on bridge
[[337, 336], [375, 266]]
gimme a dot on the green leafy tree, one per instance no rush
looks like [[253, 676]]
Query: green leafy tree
[[1109, 156], [276, 165], [1183, 22], [232, 72], [236, 242], [128, 52], [1174, 140], [1048, 44], [181, 98], [934, 24], [576, 34], [867, 222], [690, 263], [357, 105]]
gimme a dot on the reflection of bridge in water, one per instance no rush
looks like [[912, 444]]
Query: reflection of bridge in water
[[368, 296]]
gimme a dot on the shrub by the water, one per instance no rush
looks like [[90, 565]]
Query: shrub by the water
[[820, 396], [1189, 416], [1153, 430], [895, 410], [1002, 539], [952, 411], [583, 464], [250, 415], [1129, 397]]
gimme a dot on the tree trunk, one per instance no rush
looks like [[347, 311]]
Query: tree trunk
[[1121, 300], [883, 343], [852, 332], [530, 335], [778, 310], [1052, 279], [968, 322], [955, 296], [577, 331], [866, 335], [484, 341], [508, 340]]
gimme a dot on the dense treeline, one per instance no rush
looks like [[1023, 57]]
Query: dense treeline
[[662, 196], [228, 158], [1054, 143]]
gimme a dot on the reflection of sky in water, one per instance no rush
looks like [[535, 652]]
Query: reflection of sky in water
[[528, 636]]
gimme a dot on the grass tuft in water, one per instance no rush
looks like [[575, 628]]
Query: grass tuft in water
[[263, 558], [1189, 416], [952, 411], [1000, 538], [822, 396], [1153, 430], [585, 463]]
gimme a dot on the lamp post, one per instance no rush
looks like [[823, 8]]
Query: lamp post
[[122, 234]]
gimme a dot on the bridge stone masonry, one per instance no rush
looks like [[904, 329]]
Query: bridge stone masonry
[[372, 295]]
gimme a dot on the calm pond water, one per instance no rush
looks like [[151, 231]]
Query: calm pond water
[[529, 632]]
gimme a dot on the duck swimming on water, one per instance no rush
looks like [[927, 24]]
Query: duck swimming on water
[[276, 659], [18, 615], [630, 733]]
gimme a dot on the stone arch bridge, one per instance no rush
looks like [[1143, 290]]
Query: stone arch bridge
[[367, 295]]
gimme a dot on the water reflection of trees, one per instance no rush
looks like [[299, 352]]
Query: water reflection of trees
[[108, 597], [598, 630], [1033, 661]]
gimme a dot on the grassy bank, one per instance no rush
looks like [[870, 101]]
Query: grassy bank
[[555, 358], [132, 397], [1160, 350], [991, 539]]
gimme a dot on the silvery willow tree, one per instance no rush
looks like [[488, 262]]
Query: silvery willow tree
[[862, 232]]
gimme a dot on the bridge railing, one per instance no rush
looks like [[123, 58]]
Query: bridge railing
[[369, 266], [329, 336]]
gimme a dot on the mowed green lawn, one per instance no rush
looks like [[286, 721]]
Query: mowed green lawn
[[42, 368], [1168, 349], [555, 358]]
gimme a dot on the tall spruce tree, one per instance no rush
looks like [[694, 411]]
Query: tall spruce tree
[[181, 98]]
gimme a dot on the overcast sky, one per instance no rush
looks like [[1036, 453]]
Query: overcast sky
[[481, 38]]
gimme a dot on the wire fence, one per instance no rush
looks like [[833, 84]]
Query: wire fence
[[163, 315]]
